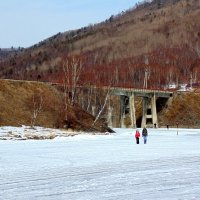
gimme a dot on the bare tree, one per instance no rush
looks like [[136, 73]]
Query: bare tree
[[72, 68], [147, 73], [105, 98], [89, 97], [103, 105], [37, 105]]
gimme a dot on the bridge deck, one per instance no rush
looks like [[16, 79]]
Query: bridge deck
[[140, 92]]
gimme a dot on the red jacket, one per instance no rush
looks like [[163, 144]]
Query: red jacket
[[137, 134]]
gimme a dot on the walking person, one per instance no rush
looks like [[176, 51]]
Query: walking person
[[137, 136], [145, 135]]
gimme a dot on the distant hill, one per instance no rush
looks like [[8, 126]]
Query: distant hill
[[7, 52], [162, 35]]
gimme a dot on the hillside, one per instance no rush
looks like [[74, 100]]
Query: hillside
[[162, 35], [20, 99], [142, 29], [8, 52], [184, 109]]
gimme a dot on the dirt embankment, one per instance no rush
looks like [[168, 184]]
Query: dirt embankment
[[184, 109], [24, 103]]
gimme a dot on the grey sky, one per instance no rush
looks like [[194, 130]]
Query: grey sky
[[26, 22]]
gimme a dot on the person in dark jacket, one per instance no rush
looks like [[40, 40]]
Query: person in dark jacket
[[137, 136], [145, 135]]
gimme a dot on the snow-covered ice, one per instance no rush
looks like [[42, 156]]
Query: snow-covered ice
[[102, 167]]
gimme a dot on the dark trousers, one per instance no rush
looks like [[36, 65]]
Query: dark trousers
[[137, 140]]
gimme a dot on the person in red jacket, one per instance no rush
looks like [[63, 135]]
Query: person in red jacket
[[137, 136]]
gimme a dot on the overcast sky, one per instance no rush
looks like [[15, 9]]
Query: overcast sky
[[26, 22]]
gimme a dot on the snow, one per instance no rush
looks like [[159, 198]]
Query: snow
[[27, 132], [101, 167]]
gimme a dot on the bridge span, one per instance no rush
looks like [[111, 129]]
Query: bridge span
[[140, 92], [149, 109], [127, 105]]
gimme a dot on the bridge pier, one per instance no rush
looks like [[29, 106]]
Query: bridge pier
[[154, 111], [144, 111], [122, 111], [149, 112], [109, 117], [132, 111], [127, 109]]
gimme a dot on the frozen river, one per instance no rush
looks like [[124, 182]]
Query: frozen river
[[108, 167]]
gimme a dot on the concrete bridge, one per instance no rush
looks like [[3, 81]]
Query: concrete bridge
[[127, 103]]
